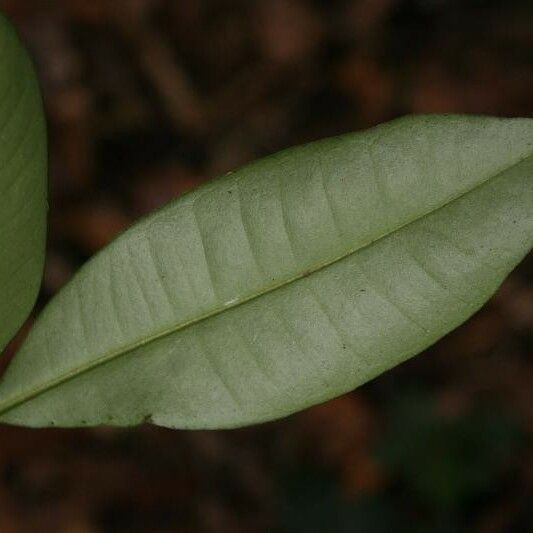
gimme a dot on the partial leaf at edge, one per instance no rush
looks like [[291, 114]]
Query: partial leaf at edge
[[288, 282], [22, 184]]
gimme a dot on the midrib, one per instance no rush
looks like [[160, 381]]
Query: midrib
[[10, 403]]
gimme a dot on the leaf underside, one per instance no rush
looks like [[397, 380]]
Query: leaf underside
[[286, 283], [22, 184]]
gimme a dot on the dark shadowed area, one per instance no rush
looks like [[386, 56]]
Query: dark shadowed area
[[149, 98]]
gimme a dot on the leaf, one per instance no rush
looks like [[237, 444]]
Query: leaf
[[286, 283], [22, 184]]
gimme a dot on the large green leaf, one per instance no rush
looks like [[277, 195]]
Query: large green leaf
[[289, 282], [22, 184]]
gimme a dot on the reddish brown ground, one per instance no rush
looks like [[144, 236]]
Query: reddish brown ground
[[148, 98]]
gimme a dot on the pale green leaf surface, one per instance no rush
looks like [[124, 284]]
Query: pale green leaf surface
[[22, 184], [286, 283]]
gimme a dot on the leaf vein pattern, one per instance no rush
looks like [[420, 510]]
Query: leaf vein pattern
[[387, 298], [10, 403], [204, 249]]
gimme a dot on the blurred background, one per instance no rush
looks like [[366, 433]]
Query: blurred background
[[149, 98]]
